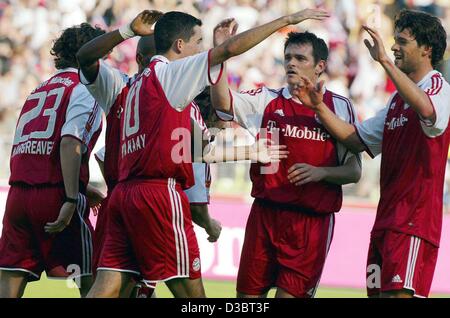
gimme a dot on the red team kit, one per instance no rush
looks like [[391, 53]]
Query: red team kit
[[145, 227]]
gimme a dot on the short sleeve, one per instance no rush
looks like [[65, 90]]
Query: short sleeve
[[83, 116], [107, 85], [199, 193], [100, 155], [248, 108], [345, 111], [182, 80], [370, 132], [438, 91]]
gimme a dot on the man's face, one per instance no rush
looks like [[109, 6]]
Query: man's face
[[408, 54], [299, 61], [194, 45]]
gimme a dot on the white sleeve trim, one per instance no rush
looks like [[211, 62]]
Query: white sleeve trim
[[107, 85], [439, 95], [182, 80], [78, 113]]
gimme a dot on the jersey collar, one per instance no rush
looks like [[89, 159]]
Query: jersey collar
[[160, 58], [67, 69], [287, 94]]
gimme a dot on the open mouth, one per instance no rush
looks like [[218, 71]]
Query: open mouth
[[291, 72]]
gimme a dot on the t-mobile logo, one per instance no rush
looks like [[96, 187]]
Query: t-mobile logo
[[397, 122], [305, 133]]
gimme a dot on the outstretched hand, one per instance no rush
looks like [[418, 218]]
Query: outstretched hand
[[142, 24], [225, 30], [308, 14], [377, 50], [309, 94], [265, 152]]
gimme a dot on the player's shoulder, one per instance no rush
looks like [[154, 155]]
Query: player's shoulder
[[339, 99], [435, 83], [67, 78], [343, 106]]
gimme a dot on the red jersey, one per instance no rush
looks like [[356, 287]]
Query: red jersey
[[155, 124], [414, 156], [58, 107], [306, 139]]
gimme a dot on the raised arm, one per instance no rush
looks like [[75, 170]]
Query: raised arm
[[91, 52], [312, 96], [412, 94], [243, 42]]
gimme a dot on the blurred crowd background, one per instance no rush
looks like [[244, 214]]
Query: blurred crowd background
[[28, 27]]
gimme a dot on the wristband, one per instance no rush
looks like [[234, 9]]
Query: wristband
[[126, 32], [70, 200]]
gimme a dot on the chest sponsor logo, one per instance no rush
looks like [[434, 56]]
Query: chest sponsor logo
[[396, 122]]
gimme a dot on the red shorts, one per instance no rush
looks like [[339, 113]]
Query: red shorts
[[26, 247], [398, 261], [150, 232], [283, 248]]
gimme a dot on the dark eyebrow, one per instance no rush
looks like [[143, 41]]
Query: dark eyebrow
[[297, 56]]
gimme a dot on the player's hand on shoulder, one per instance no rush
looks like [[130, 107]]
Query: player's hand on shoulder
[[225, 30], [314, 14], [265, 151], [213, 229], [142, 24], [63, 220], [302, 173]]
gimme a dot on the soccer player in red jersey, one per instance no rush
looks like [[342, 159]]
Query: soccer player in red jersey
[[411, 134], [198, 195], [56, 131], [150, 231], [290, 226]]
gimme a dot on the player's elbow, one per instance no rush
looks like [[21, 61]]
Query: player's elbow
[[83, 57], [355, 176], [70, 145]]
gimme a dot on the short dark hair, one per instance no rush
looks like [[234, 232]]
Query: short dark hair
[[426, 29], [71, 40], [320, 49], [172, 26]]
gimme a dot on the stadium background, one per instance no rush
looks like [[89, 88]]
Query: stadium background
[[27, 28]]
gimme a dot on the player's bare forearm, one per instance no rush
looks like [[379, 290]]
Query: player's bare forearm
[[70, 155], [200, 215], [245, 41], [409, 91], [339, 129], [96, 49], [346, 174], [220, 94], [219, 153]]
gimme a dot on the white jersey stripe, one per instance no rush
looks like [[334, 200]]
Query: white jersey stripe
[[177, 244], [179, 229], [411, 266], [408, 266], [182, 232]]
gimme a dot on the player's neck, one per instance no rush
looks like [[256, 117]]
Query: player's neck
[[172, 56], [420, 73]]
